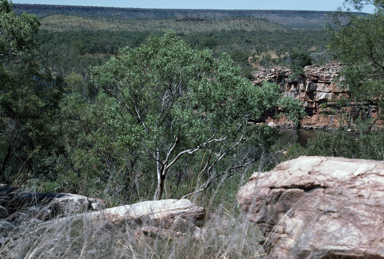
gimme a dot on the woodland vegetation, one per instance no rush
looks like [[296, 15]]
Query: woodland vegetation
[[127, 110], [289, 18]]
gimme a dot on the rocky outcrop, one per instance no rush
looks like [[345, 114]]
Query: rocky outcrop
[[179, 215], [319, 207], [16, 203], [164, 218], [319, 88]]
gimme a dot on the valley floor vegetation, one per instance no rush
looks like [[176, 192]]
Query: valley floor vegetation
[[147, 114], [81, 113], [160, 120]]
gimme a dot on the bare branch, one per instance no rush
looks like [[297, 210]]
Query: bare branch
[[203, 187], [193, 150], [213, 176], [169, 153], [226, 152]]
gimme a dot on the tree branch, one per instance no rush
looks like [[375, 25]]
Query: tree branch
[[193, 150]]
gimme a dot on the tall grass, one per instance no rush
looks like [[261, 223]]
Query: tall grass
[[225, 234]]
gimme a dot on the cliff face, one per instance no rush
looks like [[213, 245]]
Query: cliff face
[[322, 94]]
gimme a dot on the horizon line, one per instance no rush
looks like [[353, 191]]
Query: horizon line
[[141, 8]]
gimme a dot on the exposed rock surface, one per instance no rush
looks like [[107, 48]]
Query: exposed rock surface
[[319, 207], [163, 218], [319, 89], [15, 202], [176, 215]]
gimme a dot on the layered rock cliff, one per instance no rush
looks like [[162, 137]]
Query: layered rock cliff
[[320, 88]]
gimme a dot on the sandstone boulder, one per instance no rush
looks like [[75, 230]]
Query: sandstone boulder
[[163, 218], [18, 206], [16, 201], [170, 213], [319, 207]]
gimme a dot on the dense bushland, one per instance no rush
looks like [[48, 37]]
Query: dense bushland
[[81, 135], [165, 117], [159, 120], [286, 17]]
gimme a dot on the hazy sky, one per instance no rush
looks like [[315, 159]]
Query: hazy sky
[[318, 5]]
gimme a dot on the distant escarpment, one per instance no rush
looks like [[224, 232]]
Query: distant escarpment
[[326, 101]]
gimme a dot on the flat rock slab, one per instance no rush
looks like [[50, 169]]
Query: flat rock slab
[[319, 207], [176, 215], [162, 211]]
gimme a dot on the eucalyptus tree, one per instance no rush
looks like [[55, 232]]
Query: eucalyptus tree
[[167, 101]]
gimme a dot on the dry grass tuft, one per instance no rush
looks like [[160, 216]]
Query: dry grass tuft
[[225, 234]]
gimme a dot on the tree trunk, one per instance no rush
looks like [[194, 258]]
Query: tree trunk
[[160, 188], [2, 172], [160, 177]]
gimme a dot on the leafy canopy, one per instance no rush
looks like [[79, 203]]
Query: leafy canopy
[[357, 41], [167, 100], [28, 98], [16, 32]]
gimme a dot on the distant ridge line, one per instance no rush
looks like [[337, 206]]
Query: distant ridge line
[[18, 6], [290, 18]]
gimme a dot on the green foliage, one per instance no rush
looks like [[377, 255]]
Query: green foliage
[[195, 133], [29, 103], [29, 118], [257, 39], [320, 57], [289, 18], [288, 107], [17, 32], [60, 50], [342, 144], [266, 61], [165, 116], [298, 60], [239, 56], [168, 101], [60, 23], [356, 41], [336, 143], [359, 4]]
